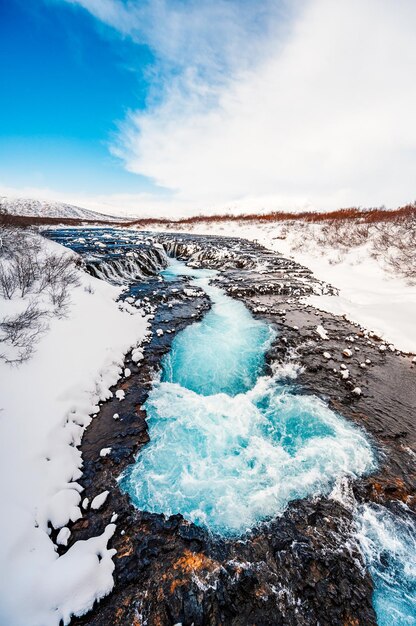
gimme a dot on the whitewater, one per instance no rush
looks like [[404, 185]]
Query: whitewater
[[231, 446]]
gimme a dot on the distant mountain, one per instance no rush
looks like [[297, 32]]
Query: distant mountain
[[45, 208]]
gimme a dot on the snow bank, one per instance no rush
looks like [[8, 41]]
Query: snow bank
[[45, 405], [369, 294]]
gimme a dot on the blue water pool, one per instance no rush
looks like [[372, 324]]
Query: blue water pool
[[230, 446]]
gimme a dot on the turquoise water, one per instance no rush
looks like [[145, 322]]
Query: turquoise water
[[389, 546], [229, 446], [222, 354]]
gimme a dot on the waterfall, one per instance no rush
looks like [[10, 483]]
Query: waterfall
[[205, 254], [134, 265]]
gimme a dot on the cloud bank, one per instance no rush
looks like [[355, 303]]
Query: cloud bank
[[281, 106]]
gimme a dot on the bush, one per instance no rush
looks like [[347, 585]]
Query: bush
[[25, 269], [22, 331]]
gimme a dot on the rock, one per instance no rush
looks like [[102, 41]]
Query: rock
[[347, 352]]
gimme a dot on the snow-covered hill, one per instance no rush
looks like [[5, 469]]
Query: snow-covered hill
[[45, 208]]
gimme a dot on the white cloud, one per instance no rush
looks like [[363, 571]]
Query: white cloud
[[321, 114]]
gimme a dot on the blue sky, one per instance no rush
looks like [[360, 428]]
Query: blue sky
[[185, 106], [67, 81]]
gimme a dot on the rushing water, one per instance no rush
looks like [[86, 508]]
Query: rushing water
[[388, 543], [230, 446]]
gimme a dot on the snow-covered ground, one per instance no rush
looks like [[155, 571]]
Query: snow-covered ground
[[369, 293], [45, 404]]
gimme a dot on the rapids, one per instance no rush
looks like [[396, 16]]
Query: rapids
[[229, 445]]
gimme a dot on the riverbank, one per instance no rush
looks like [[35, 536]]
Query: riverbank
[[47, 401]]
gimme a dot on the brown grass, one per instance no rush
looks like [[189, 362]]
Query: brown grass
[[24, 221], [353, 214]]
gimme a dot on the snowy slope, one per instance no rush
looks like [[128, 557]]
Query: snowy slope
[[44, 208], [370, 293], [45, 405]]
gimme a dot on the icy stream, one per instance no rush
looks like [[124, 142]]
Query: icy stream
[[229, 446]]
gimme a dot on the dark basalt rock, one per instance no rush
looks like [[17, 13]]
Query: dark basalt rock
[[302, 568]]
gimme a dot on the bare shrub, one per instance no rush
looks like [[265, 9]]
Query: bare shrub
[[57, 270], [12, 240], [8, 284], [26, 269], [22, 331]]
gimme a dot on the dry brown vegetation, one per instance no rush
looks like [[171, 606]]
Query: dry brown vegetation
[[354, 214], [368, 216]]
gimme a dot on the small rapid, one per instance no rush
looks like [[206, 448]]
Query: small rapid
[[230, 446], [388, 543]]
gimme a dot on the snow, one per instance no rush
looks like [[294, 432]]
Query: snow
[[45, 208], [63, 536], [137, 355], [105, 452], [322, 332], [45, 405], [120, 394], [99, 500], [369, 294]]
